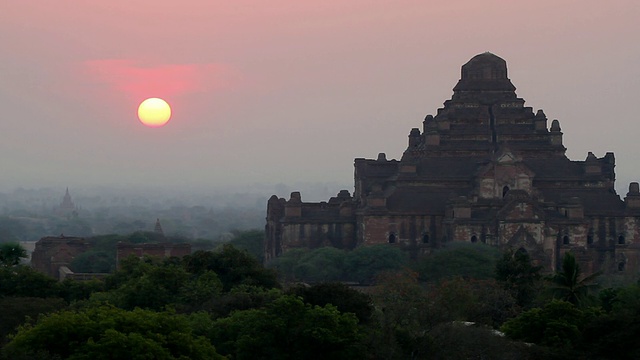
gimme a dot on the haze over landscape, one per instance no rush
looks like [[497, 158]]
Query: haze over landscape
[[290, 92]]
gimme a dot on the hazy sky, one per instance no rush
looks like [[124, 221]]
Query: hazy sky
[[291, 91]]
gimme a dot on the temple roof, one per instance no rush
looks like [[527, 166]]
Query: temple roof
[[484, 72]]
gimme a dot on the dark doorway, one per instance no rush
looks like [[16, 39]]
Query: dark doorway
[[392, 238]]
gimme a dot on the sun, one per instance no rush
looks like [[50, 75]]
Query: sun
[[154, 112]]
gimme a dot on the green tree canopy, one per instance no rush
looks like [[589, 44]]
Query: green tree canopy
[[147, 284], [347, 300], [233, 267], [288, 329], [569, 284], [22, 280], [323, 264], [11, 229], [329, 264], [11, 253], [250, 240], [558, 324], [94, 261], [457, 259], [515, 271], [14, 311], [106, 332], [364, 263], [615, 335]]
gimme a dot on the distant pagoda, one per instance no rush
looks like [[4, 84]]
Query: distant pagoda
[[158, 228], [67, 207]]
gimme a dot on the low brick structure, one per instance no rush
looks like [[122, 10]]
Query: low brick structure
[[161, 250], [52, 252]]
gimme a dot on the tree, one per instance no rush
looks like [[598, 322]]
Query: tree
[[149, 285], [321, 265], [288, 329], [11, 230], [615, 334], [22, 280], [73, 290], [106, 332], [93, 261], [459, 260], [14, 311], [234, 267], [347, 300], [517, 274], [569, 285], [364, 263], [558, 324], [462, 341], [405, 314], [11, 253], [479, 301], [328, 264], [250, 240], [241, 297]]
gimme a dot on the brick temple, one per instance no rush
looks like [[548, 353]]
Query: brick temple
[[485, 169]]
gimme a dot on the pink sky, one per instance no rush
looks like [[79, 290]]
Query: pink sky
[[291, 91]]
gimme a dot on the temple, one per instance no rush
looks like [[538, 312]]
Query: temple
[[485, 169], [66, 207]]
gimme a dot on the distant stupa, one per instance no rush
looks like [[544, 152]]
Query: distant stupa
[[158, 228], [67, 206]]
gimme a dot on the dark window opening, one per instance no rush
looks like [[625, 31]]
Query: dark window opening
[[425, 238], [621, 239], [621, 266], [392, 238], [590, 239], [474, 239], [505, 190], [565, 240]]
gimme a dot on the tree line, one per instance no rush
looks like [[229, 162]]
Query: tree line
[[464, 301]]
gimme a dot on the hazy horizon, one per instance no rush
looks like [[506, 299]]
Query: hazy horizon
[[290, 92]]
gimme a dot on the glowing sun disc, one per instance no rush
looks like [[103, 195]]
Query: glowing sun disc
[[154, 112]]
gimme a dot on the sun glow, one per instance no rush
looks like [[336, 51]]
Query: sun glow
[[154, 112]]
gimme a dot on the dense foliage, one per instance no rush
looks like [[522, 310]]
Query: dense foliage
[[329, 264], [11, 253], [457, 259], [225, 304], [106, 332]]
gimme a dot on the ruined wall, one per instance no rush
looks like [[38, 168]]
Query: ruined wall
[[317, 234], [51, 253], [294, 224], [161, 250]]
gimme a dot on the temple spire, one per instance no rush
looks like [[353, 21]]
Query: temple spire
[[158, 228]]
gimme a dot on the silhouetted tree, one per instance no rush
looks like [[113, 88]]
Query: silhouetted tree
[[11, 253], [459, 260], [519, 276], [569, 284], [288, 329], [233, 267], [340, 295], [105, 332]]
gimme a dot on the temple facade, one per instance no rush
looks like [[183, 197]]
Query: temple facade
[[485, 169]]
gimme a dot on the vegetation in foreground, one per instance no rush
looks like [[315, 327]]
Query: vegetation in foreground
[[225, 304]]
